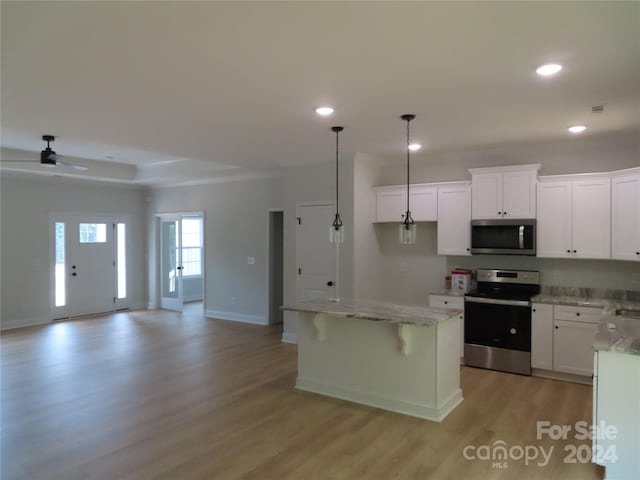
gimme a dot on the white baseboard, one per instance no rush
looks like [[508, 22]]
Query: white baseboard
[[236, 317], [23, 322], [427, 412], [565, 377], [289, 337]]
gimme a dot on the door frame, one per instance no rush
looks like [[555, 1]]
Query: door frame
[[59, 313], [336, 272], [268, 257], [157, 221]]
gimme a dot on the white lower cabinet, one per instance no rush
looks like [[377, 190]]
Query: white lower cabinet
[[572, 347], [542, 336], [451, 301], [562, 338]]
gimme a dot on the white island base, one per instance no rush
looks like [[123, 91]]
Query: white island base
[[401, 367]]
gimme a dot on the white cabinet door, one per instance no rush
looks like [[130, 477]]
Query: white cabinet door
[[487, 195], [625, 217], [391, 205], [572, 351], [424, 204], [554, 219], [519, 194], [542, 336], [591, 215], [454, 220]]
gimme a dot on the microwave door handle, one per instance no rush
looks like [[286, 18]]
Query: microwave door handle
[[521, 236]]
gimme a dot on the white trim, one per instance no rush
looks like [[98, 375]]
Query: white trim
[[237, 317], [461, 183], [505, 168], [289, 337], [574, 176], [626, 171], [419, 410]]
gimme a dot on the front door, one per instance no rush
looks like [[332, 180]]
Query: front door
[[315, 252], [90, 267], [171, 263]]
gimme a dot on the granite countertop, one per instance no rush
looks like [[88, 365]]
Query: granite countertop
[[589, 297], [376, 311], [619, 333]]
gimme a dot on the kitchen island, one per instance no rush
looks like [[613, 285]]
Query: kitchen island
[[398, 358]]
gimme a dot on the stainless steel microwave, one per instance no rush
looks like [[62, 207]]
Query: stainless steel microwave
[[503, 237]]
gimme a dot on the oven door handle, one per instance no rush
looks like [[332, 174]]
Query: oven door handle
[[521, 236], [497, 301]]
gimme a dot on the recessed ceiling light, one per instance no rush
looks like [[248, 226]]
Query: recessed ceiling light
[[108, 157], [548, 69], [324, 111], [577, 128], [415, 146]]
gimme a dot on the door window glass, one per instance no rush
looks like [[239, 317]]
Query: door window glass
[[60, 277], [93, 233], [121, 260]]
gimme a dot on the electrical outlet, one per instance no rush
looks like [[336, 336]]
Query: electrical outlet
[[404, 266], [251, 260]]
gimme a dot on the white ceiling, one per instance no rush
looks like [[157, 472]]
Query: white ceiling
[[181, 89]]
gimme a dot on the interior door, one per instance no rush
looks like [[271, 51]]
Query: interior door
[[91, 265], [171, 264], [315, 252]]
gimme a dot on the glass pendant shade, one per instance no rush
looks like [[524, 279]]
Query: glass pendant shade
[[408, 233], [336, 235]]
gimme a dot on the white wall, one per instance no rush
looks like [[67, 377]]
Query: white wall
[[235, 228], [26, 203]]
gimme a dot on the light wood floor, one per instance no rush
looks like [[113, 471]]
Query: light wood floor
[[160, 395]]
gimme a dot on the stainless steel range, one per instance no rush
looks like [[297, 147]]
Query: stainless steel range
[[497, 320]]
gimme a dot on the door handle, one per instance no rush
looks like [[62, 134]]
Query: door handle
[[74, 274], [329, 283], [180, 267]]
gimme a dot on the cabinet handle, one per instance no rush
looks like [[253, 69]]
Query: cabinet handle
[[637, 253], [499, 213], [557, 327], [533, 309], [446, 303], [577, 314], [504, 213], [568, 251], [575, 251], [468, 250]]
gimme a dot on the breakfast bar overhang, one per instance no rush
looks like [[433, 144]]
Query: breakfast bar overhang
[[399, 358]]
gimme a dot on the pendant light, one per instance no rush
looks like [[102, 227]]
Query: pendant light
[[336, 230], [408, 231]]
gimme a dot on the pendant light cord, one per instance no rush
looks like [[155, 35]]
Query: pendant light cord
[[408, 140], [337, 222]]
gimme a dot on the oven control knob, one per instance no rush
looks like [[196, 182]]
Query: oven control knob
[[513, 331]]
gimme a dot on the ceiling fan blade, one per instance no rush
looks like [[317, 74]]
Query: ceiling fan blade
[[72, 165]]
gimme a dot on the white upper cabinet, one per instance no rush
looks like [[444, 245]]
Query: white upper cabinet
[[391, 203], [504, 192], [625, 216], [574, 218], [424, 203], [454, 220]]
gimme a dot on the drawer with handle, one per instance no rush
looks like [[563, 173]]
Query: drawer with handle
[[446, 301], [577, 314]]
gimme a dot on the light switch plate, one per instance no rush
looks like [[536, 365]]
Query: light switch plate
[[251, 260]]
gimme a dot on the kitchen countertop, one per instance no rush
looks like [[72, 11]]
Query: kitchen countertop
[[617, 333], [376, 311]]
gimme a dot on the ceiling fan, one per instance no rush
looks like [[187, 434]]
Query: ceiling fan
[[49, 158]]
